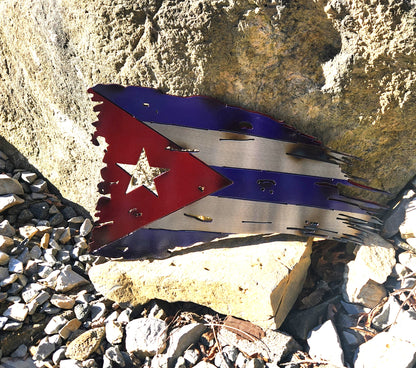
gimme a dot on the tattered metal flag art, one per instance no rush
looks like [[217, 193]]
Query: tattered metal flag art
[[182, 170]]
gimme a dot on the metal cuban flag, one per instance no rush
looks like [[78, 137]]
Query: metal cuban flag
[[182, 170]]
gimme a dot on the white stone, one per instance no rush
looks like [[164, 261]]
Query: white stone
[[3, 321], [183, 337], [12, 326], [62, 301], [408, 259], [28, 231], [146, 336], [274, 345], [76, 220], [386, 351], [9, 185], [408, 227], [69, 279], [376, 258], [364, 276], [31, 291], [17, 312], [259, 283], [180, 362], [70, 363], [9, 280], [28, 177], [16, 265], [42, 297], [52, 277], [9, 200], [45, 271], [114, 332], [59, 354], [192, 356], [368, 294], [86, 227], [411, 242], [71, 326], [405, 326], [31, 307], [324, 344], [65, 236], [114, 354]]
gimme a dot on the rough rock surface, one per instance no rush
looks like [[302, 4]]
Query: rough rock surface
[[340, 70], [258, 283], [385, 350], [85, 344], [364, 276]]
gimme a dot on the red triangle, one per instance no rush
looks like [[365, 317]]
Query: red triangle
[[187, 180]]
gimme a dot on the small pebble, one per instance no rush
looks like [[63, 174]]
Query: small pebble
[[59, 354], [12, 326], [20, 352], [28, 177], [38, 186], [86, 227], [45, 348], [17, 312], [4, 258], [113, 353], [114, 332], [62, 301], [71, 326], [55, 324]]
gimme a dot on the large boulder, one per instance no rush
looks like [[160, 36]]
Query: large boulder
[[257, 282], [339, 70]]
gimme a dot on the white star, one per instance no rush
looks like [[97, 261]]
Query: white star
[[142, 174]]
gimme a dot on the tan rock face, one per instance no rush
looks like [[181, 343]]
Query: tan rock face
[[84, 345], [340, 70], [258, 283]]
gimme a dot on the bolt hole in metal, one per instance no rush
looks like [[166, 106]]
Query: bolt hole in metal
[[245, 125], [267, 185], [134, 212]]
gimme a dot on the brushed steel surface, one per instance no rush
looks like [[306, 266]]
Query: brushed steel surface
[[252, 217], [244, 151]]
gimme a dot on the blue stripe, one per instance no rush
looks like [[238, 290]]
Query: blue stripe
[[284, 188], [153, 243], [147, 104]]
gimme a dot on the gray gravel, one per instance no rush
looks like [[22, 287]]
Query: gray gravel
[[51, 315]]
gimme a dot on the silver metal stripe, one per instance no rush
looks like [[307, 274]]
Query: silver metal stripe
[[251, 217], [244, 151]]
